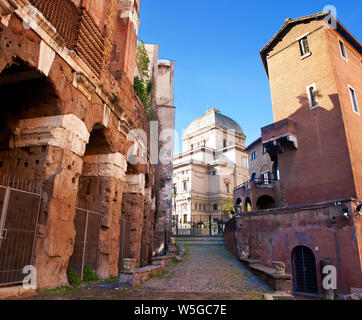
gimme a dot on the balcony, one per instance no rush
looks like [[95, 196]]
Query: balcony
[[280, 137], [77, 28], [255, 184]]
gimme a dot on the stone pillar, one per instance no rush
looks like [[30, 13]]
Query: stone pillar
[[146, 244], [53, 147], [133, 210], [101, 187]]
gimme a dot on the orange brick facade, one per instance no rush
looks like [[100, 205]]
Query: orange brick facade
[[317, 147], [325, 166]]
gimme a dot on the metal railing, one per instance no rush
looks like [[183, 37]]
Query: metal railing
[[258, 183]]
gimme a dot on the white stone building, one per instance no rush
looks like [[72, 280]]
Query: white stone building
[[212, 163]]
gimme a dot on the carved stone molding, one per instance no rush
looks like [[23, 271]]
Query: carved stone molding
[[64, 131]]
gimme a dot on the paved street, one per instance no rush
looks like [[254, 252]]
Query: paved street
[[207, 273], [208, 269]]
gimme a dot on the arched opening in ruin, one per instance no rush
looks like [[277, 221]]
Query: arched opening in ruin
[[265, 202], [304, 270], [25, 93], [98, 203], [248, 207]]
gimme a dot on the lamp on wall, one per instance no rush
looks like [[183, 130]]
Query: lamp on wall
[[345, 211]]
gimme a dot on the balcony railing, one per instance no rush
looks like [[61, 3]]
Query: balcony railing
[[257, 183]]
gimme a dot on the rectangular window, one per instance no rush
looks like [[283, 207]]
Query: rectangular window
[[245, 163], [253, 155], [312, 96], [353, 96], [265, 177], [343, 50], [304, 46], [185, 218]]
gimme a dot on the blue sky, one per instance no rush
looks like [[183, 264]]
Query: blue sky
[[215, 46]]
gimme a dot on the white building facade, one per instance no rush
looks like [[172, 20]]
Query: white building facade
[[212, 163]]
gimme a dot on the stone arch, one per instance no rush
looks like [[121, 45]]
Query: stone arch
[[263, 169], [29, 101], [265, 202], [100, 191], [248, 205]]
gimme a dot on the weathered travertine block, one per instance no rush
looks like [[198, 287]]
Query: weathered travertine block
[[105, 165], [135, 183], [64, 131]]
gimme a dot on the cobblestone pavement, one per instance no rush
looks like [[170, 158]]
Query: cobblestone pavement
[[208, 269], [207, 273]]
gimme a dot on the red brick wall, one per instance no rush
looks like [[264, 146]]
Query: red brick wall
[[349, 73], [321, 168], [273, 236]]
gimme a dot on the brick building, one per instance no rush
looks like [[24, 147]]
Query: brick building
[[262, 190], [70, 196], [314, 67]]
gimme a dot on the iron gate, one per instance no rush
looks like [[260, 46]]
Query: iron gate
[[19, 210], [200, 225], [124, 243], [87, 225], [305, 273]]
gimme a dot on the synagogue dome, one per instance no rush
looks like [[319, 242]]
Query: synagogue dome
[[213, 117]]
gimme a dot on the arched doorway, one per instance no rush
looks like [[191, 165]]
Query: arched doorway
[[304, 270], [248, 207], [265, 202], [238, 205]]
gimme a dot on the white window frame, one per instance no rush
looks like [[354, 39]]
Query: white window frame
[[340, 49], [265, 177], [300, 43], [352, 100], [310, 97]]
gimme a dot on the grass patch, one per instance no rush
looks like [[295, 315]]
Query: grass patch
[[112, 278], [57, 290]]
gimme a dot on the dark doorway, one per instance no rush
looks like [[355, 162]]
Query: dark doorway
[[265, 202], [304, 270]]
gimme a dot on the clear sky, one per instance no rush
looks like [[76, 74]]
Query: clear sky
[[215, 45]]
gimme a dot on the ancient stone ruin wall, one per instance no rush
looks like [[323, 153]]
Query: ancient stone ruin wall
[[68, 128]]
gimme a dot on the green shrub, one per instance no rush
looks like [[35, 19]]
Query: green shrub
[[89, 275], [73, 279]]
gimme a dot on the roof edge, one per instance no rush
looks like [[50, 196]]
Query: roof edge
[[289, 22]]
